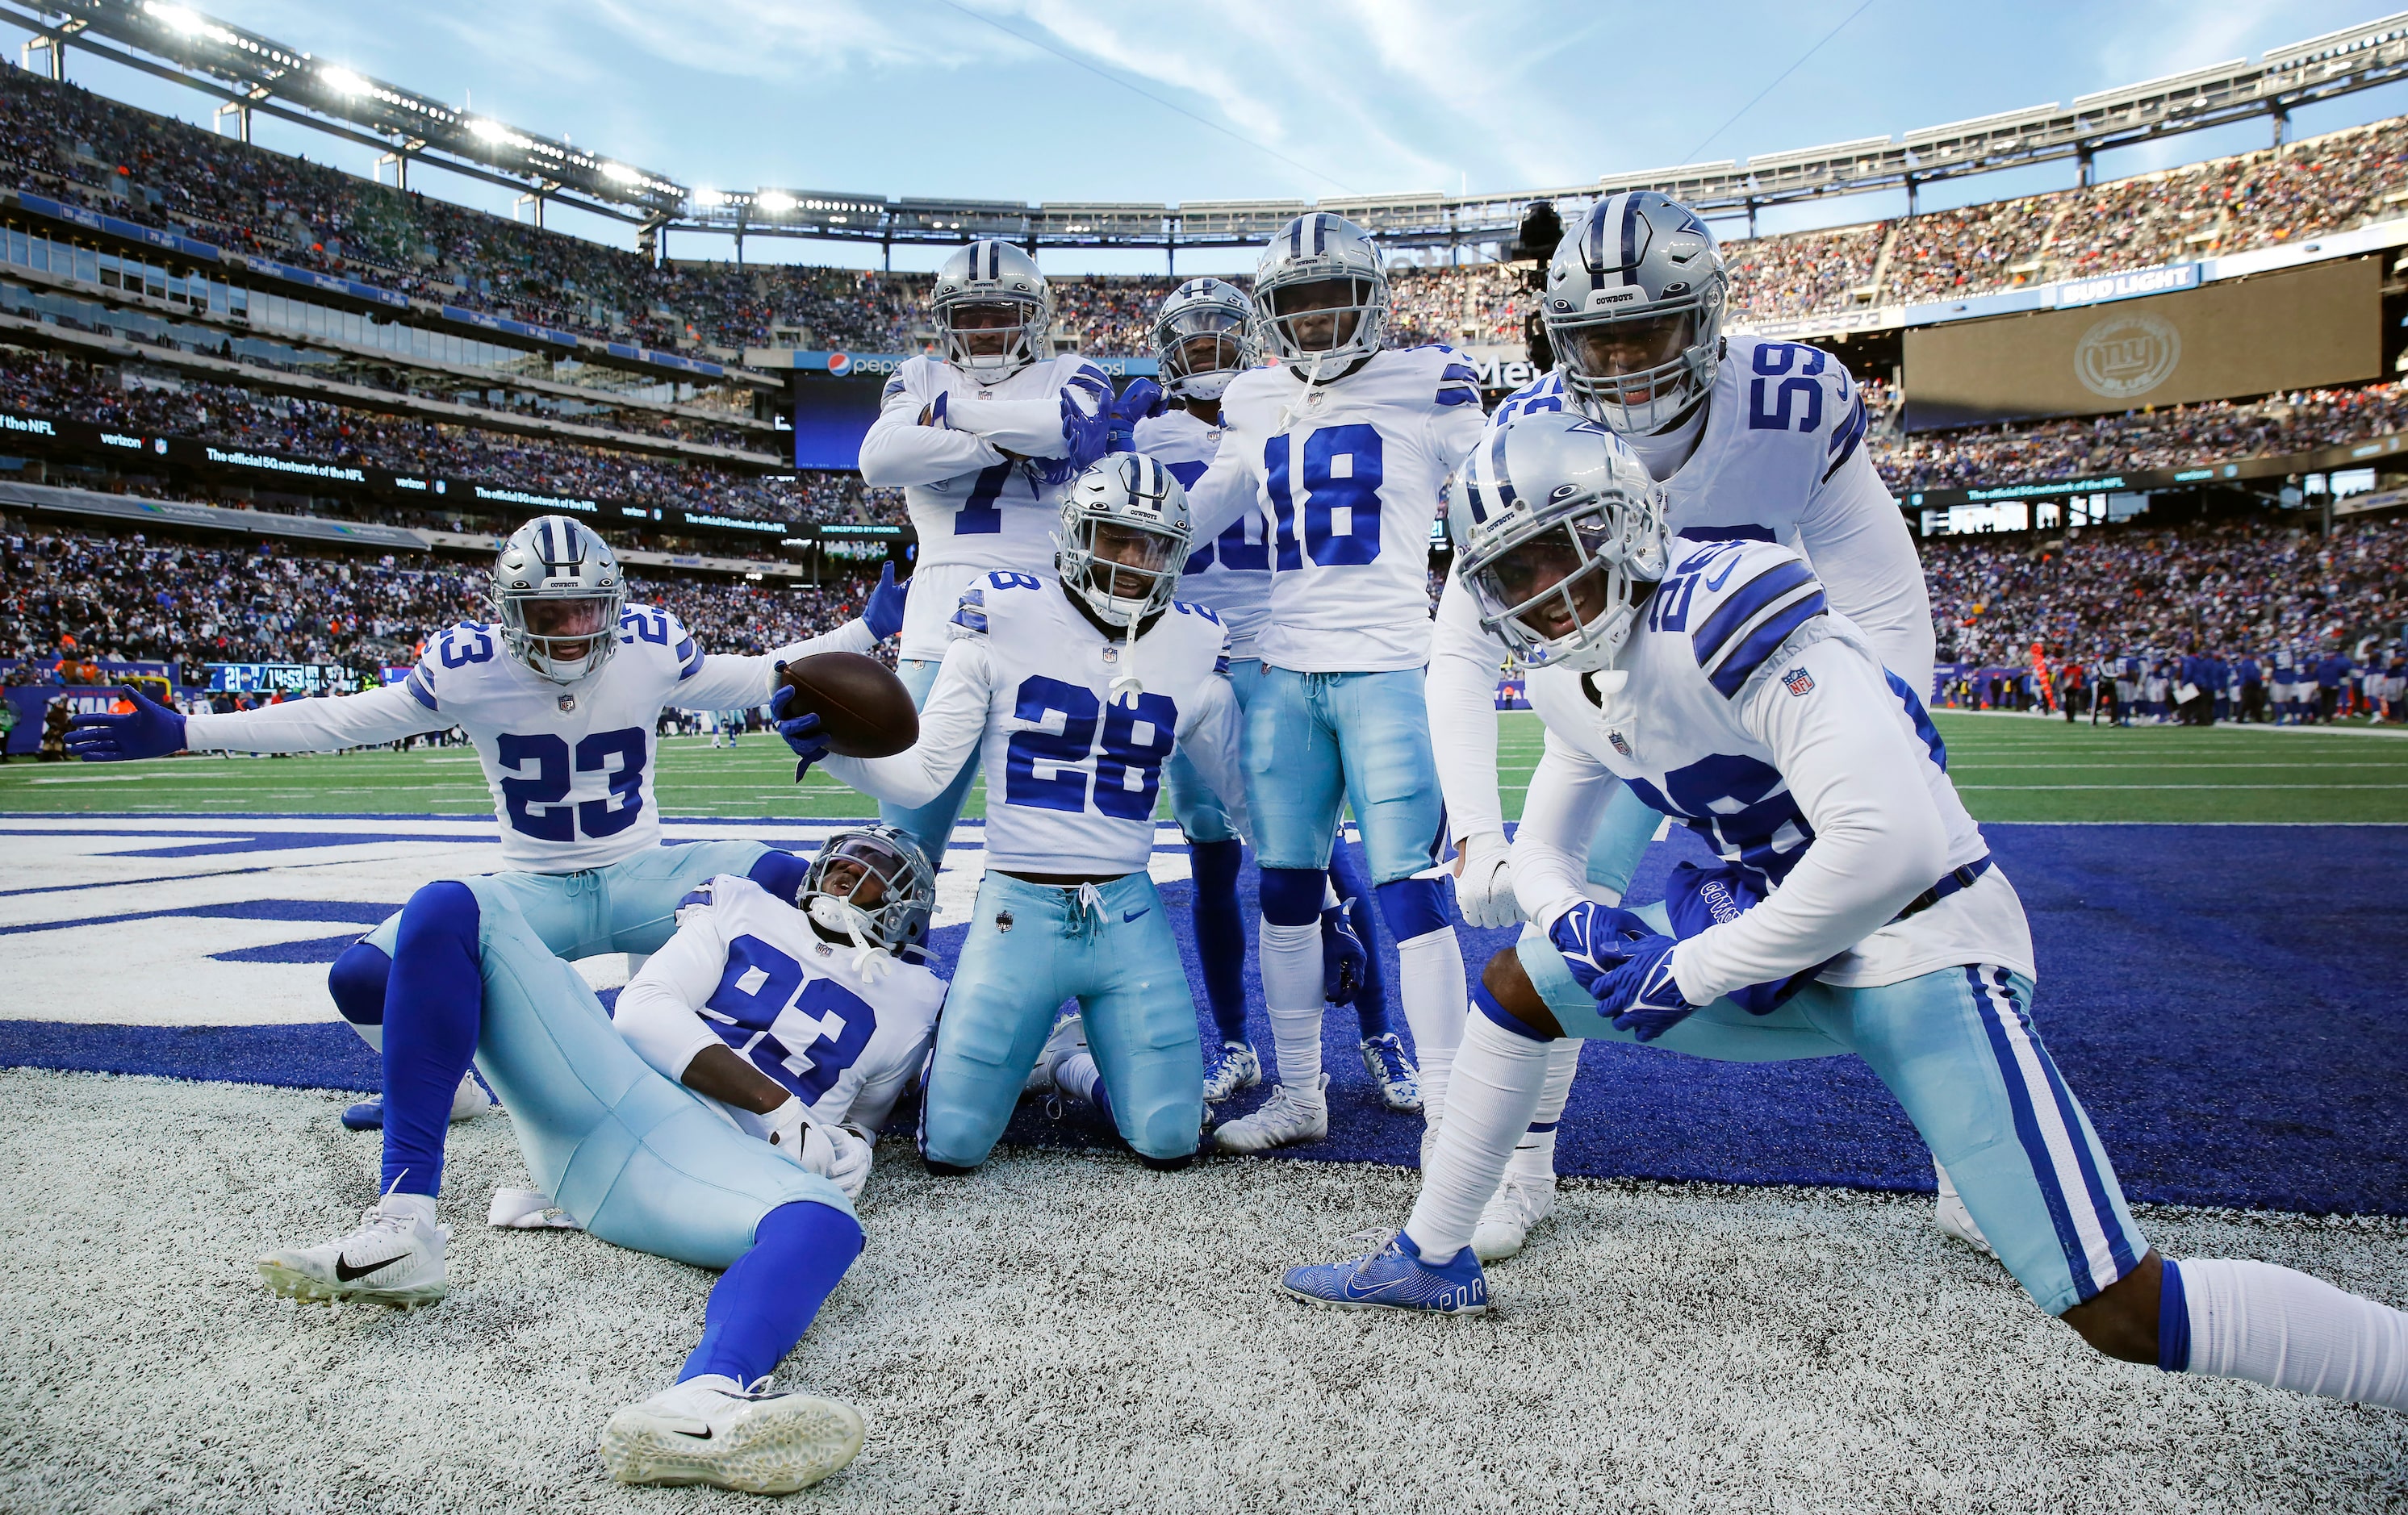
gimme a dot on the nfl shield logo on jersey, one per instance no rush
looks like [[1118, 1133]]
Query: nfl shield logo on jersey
[[1798, 681], [1619, 745]]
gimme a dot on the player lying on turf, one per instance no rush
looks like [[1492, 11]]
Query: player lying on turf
[[1203, 339], [560, 696], [1078, 687], [789, 1032], [1712, 679]]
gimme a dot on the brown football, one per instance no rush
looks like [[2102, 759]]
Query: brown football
[[864, 710]]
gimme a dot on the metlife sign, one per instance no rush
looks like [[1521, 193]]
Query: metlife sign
[[2106, 287]]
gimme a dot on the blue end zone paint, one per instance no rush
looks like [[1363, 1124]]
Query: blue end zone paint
[[2223, 999]]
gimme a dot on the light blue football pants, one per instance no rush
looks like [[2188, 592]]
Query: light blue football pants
[[1958, 1049], [628, 907], [640, 1162], [1199, 813], [931, 824], [1316, 742], [1032, 946]]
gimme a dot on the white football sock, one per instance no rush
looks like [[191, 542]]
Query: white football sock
[[1499, 1078], [1429, 981], [2270, 1325], [1291, 960], [421, 1206], [1534, 1157], [1077, 1077]]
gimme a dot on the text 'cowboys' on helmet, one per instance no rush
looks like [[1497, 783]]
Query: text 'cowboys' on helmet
[[1560, 534], [993, 311], [1634, 308], [1203, 337], [1125, 533], [872, 887], [557, 594], [1321, 291]]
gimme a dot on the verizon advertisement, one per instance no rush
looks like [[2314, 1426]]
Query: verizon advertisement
[[2321, 324]]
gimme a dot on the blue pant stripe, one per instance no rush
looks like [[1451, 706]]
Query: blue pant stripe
[[2119, 1242], [2027, 1131]]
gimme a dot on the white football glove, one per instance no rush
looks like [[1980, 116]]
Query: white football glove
[[1484, 881], [839, 1154]]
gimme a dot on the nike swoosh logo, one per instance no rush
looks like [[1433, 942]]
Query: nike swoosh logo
[[1134, 914], [1715, 584], [704, 1435], [344, 1270]]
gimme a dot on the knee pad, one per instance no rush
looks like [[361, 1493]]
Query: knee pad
[[439, 915], [779, 873], [356, 981], [1412, 907], [1292, 896]]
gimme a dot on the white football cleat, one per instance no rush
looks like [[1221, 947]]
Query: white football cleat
[[1285, 1119], [1954, 1218], [1392, 1072], [1520, 1203], [713, 1430], [1069, 1036], [393, 1258], [1234, 1067]]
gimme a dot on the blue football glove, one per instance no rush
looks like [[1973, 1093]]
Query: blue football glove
[[801, 732], [883, 614], [1641, 995], [1594, 939], [1343, 961], [1143, 399], [151, 730], [1085, 437]]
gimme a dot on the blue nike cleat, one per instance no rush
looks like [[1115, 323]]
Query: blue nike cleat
[[367, 1115], [1393, 1276]]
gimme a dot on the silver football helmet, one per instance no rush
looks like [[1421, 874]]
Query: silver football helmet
[[1559, 531], [1203, 337], [1124, 539], [1634, 309], [1321, 291], [993, 311], [557, 594], [872, 887]]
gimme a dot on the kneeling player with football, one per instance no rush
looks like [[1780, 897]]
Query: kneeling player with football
[[1078, 687], [1712, 679]]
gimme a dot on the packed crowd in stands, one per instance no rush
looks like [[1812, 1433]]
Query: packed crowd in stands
[[83, 598], [2300, 422]]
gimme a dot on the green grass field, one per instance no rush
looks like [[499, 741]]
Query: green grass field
[[2007, 768]]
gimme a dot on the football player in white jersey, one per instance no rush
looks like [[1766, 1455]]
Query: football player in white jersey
[[1342, 448], [560, 694], [776, 1038], [983, 439], [1861, 915], [1752, 439], [1079, 687], [1203, 338]]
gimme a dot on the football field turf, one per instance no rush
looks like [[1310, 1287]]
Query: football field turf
[[2008, 768]]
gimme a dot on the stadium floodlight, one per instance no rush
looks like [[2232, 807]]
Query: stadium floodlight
[[175, 18], [708, 200], [775, 202], [343, 80], [488, 131], [618, 173]]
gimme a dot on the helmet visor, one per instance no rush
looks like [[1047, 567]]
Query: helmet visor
[[1321, 315], [567, 627], [1220, 350], [1130, 560], [986, 328], [1639, 345], [1554, 583], [863, 871]]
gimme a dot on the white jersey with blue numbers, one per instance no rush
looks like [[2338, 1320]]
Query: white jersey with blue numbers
[[841, 1032], [570, 766], [1764, 721], [1232, 572], [1782, 459], [1347, 477], [974, 508], [1071, 772]]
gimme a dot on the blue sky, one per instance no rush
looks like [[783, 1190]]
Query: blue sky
[[1050, 100]]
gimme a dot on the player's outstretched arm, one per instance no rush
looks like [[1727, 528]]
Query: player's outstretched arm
[[378, 715], [902, 451], [1461, 694], [1071, 422], [950, 724], [733, 682], [1569, 791]]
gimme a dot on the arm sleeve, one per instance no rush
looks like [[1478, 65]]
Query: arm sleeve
[[1879, 836], [660, 1012], [899, 452], [374, 715], [1213, 736], [722, 682], [1226, 490], [1857, 542], [1462, 696], [1032, 428], [1454, 430], [1567, 794], [950, 724]]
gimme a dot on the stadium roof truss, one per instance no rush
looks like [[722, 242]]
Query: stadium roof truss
[[253, 72]]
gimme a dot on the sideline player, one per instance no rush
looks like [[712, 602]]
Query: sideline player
[[1751, 439], [983, 439], [742, 1163], [1344, 448], [561, 694], [1078, 687], [1203, 338], [1712, 679]]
